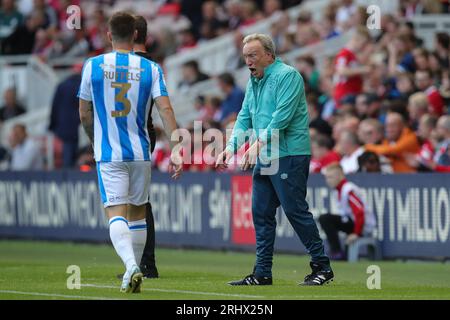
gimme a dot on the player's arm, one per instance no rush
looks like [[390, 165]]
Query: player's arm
[[170, 125], [86, 108], [167, 116], [87, 118]]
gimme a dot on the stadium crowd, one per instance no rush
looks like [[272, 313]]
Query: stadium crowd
[[380, 105]]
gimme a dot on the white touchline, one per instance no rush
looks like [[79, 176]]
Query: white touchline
[[55, 295], [180, 291]]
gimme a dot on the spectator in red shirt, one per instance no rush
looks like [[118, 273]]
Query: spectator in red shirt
[[348, 73], [424, 82], [322, 153]]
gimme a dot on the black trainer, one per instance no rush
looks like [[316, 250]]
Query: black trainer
[[318, 277], [252, 280]]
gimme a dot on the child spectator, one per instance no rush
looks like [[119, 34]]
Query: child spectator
[[354, 216]]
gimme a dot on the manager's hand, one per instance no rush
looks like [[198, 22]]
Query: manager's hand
[[251, 155], [223, 158], [176, 164]]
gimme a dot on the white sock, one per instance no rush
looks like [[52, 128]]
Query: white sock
[[138, 231], [121, 239]]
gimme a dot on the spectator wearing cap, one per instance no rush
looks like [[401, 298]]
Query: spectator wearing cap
[[398, 141], [424, 82]]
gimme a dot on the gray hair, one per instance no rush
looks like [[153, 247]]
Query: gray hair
[[265, 40], [444, 121]]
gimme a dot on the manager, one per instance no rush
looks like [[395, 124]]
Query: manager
[[275, 110]]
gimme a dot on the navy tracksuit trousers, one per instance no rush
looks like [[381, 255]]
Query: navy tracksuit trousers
[[288, 188]]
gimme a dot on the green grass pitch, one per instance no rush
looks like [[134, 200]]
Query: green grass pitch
[[37, 270]]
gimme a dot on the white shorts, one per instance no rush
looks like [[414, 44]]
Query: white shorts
[[124, 182]]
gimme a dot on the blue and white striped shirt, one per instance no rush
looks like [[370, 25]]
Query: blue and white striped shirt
[[121, 87]]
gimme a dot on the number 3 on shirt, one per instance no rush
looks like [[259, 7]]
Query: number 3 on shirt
[[120, 97]]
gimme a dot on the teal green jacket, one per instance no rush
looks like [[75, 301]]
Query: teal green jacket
[[275, 108]]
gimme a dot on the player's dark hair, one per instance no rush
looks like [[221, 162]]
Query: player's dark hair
[[121, 26], [141, 28]]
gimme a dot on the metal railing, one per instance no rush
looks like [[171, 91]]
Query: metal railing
[[428, 25]]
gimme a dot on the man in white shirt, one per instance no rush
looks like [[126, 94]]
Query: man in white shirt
[[25, 153], [351, 149]]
